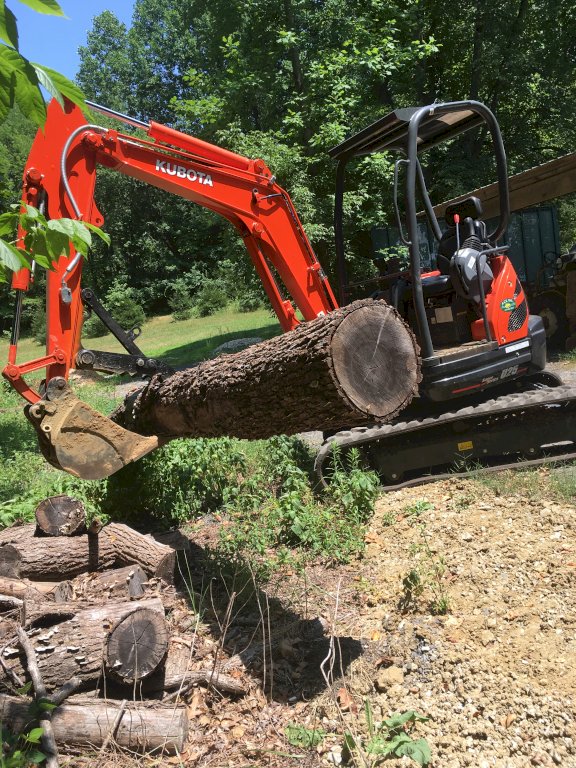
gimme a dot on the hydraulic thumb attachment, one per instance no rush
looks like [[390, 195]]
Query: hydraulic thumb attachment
[[77, 439]]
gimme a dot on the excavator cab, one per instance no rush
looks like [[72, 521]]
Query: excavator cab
[[470, 313]]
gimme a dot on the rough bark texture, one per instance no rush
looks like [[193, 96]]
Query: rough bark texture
[[141, 727], [36, 590], [23, 554], [72, 642], [121, 584], [356, 365]]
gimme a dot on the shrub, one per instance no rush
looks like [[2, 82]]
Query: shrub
[[182, 480], [180, 300], [249, 301], [210, 298], [275, 508], [121, 304]]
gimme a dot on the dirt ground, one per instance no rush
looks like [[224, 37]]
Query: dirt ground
[[495, 674]]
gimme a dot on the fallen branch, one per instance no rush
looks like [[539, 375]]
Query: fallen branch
[[47, 740]]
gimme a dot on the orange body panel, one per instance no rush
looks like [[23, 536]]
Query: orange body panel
[[505, 297]]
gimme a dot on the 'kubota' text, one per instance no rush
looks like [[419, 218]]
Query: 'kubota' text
[[172, 169]]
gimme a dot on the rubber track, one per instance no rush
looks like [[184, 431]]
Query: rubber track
[[517, 402]]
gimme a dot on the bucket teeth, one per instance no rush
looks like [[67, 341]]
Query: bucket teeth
[[77, 439]]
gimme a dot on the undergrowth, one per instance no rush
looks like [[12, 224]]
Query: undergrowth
[[262, 494]]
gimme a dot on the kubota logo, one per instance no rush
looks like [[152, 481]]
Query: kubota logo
[[172, 169]]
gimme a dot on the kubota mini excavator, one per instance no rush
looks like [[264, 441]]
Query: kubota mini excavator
[[470, 314]]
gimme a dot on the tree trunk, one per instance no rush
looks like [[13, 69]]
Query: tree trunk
[[127, 640], [356, 365], [140, 727], [121, 584], [23, 554]]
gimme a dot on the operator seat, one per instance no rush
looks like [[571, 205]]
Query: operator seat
[[466, 266]]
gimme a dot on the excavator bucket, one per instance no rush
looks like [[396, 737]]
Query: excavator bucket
[[77, 439]]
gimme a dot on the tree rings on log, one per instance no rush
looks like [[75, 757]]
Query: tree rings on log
[[372, 354], [61, 516], [137, 645]]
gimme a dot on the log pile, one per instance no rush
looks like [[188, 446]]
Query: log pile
[[83, 617]]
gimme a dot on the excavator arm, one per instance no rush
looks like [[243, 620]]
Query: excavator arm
[[60, 178]]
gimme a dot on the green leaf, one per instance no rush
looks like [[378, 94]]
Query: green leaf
[[8, 26], [49, 7], [45, 705], [8, 223], [97, 231], [418, 750], [66, 87], [24, 689], [35, 757], [28, 95], [34, 736], [77, 231], [46, 81], [298, 736], [58, 243], [6, 92], [397, 720], [11, 257]]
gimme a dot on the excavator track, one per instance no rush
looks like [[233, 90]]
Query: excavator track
[[514, 430]]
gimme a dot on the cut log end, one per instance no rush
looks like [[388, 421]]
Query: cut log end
[[375, 359], [61, 516], [137, 645]]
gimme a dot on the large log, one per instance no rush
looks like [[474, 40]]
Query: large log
[[356, 365], [24, 554], [127, 640], [141, 727]]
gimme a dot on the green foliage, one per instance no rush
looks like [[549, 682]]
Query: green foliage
[[20, 79], [389, 738], [183, 480], [304, 738], [427, 576], [44, 241], [210, 298], [121, 304], [274, 510], [19, 750]]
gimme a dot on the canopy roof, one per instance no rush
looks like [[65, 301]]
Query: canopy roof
[[391, 131]]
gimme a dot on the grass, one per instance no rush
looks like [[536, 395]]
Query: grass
[[180, 343]]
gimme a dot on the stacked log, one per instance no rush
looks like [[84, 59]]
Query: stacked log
[[83, 610]]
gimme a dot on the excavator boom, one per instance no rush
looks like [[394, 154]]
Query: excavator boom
[[60, 178]]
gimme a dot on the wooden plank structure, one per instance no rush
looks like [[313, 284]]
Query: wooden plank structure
[[534, 186]]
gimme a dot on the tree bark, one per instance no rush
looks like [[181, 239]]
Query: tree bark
[[74, 641], [141, 727], [57, 592], [23, 554], [120, 583], [356, 365]]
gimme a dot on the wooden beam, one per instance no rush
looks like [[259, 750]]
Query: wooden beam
[[548, 181]]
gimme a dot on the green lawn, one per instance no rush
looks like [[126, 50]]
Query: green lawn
[[180, 343]]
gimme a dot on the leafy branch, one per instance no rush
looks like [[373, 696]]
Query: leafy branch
[[43, 241], [20, 79]]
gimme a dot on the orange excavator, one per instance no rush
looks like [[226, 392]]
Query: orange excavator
[[469, 314]]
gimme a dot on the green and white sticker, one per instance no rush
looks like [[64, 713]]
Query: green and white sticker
[[508, 305]]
